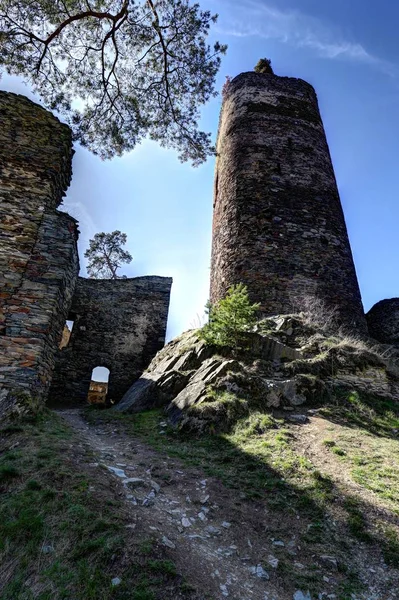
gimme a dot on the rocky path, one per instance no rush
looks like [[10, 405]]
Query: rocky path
[[207, 529]]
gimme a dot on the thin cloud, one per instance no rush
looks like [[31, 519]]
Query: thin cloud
[[86, 225], [252, 18]]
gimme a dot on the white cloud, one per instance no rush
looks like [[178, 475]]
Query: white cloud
[[255, 18]]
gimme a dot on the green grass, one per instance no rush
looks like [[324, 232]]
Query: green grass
[[374, 414], [357, 523], [61, 539], [390, 546], [255, 458], [366, 438]]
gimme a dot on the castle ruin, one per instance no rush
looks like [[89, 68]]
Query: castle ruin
[[119, 324], [278, 228], [278, 225]]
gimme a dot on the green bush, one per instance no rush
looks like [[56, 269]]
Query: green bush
[[230, 318], [264, 66]]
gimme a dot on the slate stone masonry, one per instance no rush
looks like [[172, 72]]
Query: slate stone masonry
[[278, 224], [38, 258], [119, 324]]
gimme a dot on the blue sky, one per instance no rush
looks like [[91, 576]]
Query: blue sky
[[348, 50]]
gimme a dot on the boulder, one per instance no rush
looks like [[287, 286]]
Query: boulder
[[210, 372], [152, 390], [183, 372]]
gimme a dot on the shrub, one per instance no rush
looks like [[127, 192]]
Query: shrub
[[264, 66], [230, 318], [316, 313]]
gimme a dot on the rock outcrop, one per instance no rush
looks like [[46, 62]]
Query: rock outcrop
[[286, 363]]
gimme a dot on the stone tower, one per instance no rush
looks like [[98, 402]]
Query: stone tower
[[278, 225]]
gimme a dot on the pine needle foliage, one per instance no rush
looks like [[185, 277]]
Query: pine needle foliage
[[117, 71], [230, 318], [264, 65]]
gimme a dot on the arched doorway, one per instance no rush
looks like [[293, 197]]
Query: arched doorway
[[98, 385]]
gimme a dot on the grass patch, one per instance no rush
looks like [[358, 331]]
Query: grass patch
[[60, 541], [256, 457], [377, 415], [372, 454], [357, 523], [390, 546], [7, 472]]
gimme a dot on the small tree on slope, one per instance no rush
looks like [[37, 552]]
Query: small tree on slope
[[105, 255], [229, 318]]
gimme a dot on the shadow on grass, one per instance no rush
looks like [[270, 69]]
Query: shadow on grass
[[63, 529], [260, 465], [360, 410]]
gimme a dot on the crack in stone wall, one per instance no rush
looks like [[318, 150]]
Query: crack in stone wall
[[278, 224]]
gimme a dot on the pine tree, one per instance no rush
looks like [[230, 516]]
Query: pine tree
[[230, 318], [105, 255]]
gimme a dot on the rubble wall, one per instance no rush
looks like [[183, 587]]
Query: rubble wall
[[38, 259], [118, 324], [278, 224], [383, 321]]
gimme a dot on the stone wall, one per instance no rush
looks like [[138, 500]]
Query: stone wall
[[278, 224], [383, 321], [118, 324], [38, 258]]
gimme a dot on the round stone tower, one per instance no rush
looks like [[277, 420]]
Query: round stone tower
[[278, 225]]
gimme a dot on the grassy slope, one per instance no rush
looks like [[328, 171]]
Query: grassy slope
[[261, 457], [63, 535]]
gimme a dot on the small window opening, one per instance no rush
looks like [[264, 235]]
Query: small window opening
[[66, 334], [98, 386], [216, 189]]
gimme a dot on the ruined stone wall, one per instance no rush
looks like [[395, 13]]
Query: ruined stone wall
[[38, 258], [278, 224], [118, 324], [383, 321]]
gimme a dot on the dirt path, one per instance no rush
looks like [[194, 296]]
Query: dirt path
[[206, 528]]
